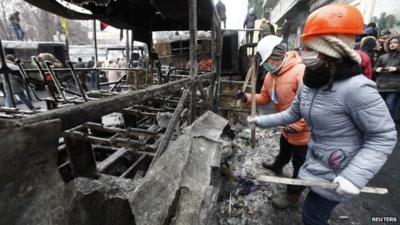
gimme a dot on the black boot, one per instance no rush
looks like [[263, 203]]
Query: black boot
[[273, 167], [286, 201]]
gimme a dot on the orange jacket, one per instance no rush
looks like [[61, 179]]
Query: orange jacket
[[286, 85]]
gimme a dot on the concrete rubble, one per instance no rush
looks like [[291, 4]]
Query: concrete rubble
[[183, 184], [182, 187]]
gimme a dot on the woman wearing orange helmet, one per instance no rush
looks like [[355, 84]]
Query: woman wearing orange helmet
[[352, 132]]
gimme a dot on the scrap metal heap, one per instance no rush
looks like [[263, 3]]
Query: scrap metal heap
[[68, 165]]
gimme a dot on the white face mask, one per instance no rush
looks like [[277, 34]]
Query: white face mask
[[310, 58]]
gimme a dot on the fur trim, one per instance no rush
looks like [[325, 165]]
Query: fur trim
[[339, 46], [386, 45]]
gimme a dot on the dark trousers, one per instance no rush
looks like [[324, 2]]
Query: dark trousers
[[249, 36], [82, 78], [93, 79], [296, 153], [316, 209]]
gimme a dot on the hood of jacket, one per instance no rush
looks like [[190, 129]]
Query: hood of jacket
[[292, 59], [386, 45]]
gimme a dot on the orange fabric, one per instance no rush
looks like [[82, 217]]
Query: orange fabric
[[334, 19], [47, 76], [286, 85]]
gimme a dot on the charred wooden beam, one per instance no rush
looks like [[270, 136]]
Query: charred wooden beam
[[80, 154]]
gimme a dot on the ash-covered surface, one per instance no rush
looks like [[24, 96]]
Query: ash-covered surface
[[245, 202]]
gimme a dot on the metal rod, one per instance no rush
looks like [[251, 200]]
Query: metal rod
[[130, 169], [55, 80], [26, 80], [47, 83], [96, 59], [129, 131], [127, 50], [77, 82], [170, 128]]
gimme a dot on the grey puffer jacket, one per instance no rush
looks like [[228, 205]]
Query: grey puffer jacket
[[352, 132]]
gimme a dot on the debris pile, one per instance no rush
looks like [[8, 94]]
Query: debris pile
[[244, 200]]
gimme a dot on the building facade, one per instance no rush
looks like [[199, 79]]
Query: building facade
[[385, 13]]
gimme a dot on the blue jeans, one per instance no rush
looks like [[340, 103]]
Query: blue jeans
[[316, 209], [93, 79], [391, 100], [22, 96], [18, 31]]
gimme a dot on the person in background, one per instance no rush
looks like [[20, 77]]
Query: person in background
[[352, 132], [93, 77], [266, 29], [369, 45], [286, 31], [284, 75], [16, 84], [371, 30], [221, 10], [113, 75], [389, 63], [249, 23], [81, 73], [15, 25], [366, 65]]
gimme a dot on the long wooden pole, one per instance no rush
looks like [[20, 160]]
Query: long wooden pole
[[193, 57], [315, 183], [253, 102]]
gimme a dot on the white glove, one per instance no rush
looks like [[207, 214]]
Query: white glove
[[252, 121], [345, 186]]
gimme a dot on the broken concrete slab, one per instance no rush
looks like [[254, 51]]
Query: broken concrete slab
[[208, 125], [182, 187], [101, 202], [31, 190]]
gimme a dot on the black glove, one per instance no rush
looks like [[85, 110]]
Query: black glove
[[289, 129], [241, 95]]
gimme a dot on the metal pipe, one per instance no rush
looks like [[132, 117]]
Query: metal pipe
[[96, 59], [77, 82], [48, 65]]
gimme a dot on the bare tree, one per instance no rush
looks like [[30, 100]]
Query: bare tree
[[42, 25]]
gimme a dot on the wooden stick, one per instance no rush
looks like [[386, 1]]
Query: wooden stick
[[247, 79], [253, 102], [315, 183]]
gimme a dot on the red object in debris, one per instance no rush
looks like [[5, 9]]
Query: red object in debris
[[103, 25], [205, 64]]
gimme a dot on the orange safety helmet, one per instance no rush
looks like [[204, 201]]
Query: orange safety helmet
[[334, 19]]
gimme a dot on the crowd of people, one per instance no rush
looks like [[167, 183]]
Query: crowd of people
[[335, 125]]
